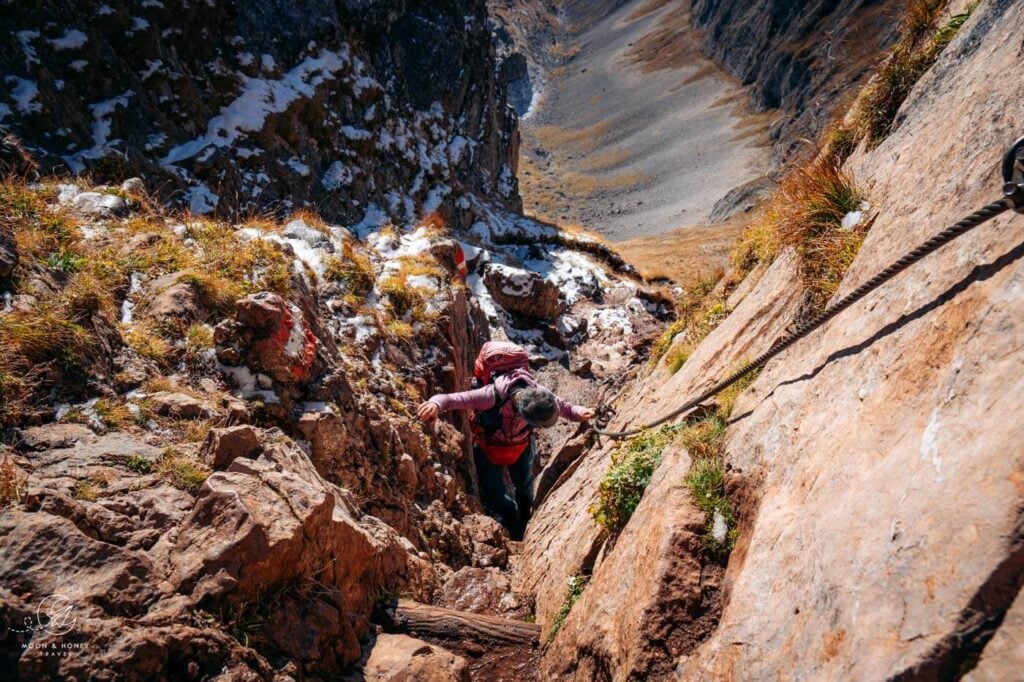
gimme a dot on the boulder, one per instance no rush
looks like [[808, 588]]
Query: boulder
[[406, 474], [483, 590], [52, 436], [301, 230], [134, 186], [523, 292], [489, 540], [268, 523], [280, 341], [40, 550], [98, 205], [223, 446], [180, 405], [169, 298], [137, 243], [399, 658]]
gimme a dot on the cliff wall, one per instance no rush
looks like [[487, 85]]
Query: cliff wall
[[801, 57], [245, 107]]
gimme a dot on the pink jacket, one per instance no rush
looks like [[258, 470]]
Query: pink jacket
[[514, 428]]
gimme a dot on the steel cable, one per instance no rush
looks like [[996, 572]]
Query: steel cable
[[977, 218]]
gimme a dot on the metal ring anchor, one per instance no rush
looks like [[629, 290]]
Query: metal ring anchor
[[1013, 176]]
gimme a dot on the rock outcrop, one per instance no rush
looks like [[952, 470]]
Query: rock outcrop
[[238, 108], [524, 292]]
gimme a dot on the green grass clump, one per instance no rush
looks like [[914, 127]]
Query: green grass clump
[[622, 488], [577, 583], [181, 472], [139, 464], [65, 260], [706, 481], [704, 440]]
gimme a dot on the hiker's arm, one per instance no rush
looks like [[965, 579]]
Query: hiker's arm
[[574, 413], [478, 399]]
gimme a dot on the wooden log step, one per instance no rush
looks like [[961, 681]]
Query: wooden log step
[[432, 622]]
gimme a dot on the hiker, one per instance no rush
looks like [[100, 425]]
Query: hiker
[[509, 405]]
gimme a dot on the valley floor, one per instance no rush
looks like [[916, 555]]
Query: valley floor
[[634, 133]]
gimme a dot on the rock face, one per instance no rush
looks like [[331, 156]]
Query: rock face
[[873, 465], [8, 254], [650, 588], [797, 56], [224, 446], [231, 107], [273, 521]]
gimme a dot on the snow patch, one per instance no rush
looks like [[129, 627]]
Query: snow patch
[[26, 38], [260, 98], [336, 176], [201, 200], [296, 165], [101, 112], [719, 528], [71, 40], [23, 93], [295, 346], [151, 68]]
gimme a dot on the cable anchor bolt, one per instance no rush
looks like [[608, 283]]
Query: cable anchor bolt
[[1013, 176]]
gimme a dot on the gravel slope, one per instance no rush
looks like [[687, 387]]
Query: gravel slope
[[636, 133]]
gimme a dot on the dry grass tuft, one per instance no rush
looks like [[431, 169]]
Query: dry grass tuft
[[114, 413], [352, 269], [918, 49], [311, 219], [806, 212], [45, 334], [408, 299], [146, 339], [12, 483], [198, 340], [434, 225], [700, 308], [185, 473]]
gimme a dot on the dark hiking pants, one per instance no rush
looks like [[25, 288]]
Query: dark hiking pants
[[513, 514]]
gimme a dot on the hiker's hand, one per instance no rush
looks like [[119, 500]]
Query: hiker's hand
[[427, 412], [587, 414]]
